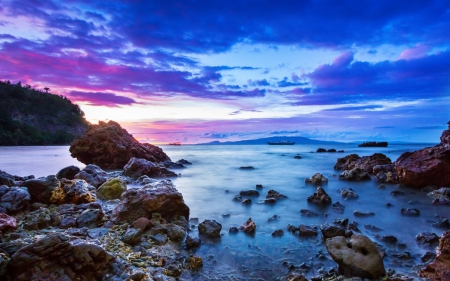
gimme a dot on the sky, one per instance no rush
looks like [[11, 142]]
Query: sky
[[205, 70]]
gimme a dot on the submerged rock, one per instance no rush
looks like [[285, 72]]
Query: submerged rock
[[357, 257], [320, 197], [210, 228]]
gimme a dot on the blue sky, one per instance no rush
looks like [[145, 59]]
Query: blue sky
[[197, 71]]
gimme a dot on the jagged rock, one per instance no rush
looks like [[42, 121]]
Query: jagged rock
[[90, 218], [192, 242], [428, 166], [13, 199], [386, 238], [349, 194], [40, 219], [142, 224], [93, 174], [183, 162], [386, 173], [68, 172], [56, 257], [161, 197], [317, 178], [305, 230], [7, 179], [132, 236], [138, 167], [440, 196], [275, 195], [357, 257], [7, 223], [441, 223], [427, 238], [347, 162], [249, 192], [249, 226], [43, 189], [338, 207], [439, 269], [111, 189], [210, 228], [355, 174], [320, 197], [365, 163], [194, 263], [110, 146], [331, 230]]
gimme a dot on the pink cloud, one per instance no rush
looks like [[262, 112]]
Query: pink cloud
[[416, 52]]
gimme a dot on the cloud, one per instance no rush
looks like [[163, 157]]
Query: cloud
[[354, 108], [385, 127], [262, 82], [100, 99], [285, 83], [432, 127]]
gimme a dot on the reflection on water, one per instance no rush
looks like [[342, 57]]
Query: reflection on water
[[209, 185]]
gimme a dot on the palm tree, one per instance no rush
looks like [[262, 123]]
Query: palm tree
[[47, 89]]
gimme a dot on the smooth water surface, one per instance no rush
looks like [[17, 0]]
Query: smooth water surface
[[210, 183]]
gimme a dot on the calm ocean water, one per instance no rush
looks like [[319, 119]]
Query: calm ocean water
[[215, 171]]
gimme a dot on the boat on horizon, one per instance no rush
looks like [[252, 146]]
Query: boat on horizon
[[281, 143], [175, 143]]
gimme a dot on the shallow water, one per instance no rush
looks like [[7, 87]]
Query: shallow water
[[209, 185]]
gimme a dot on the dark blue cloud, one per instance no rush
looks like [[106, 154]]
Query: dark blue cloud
[[285, 83], [354, 108], [262, 82]]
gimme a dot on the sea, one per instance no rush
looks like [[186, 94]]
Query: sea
[[214, 178]]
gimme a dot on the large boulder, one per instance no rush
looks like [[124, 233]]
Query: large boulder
[[210, 228], [13, 199], [366, 163], [138, 167], [428, 166], [58, 257], [357, 257], [93, 175], [68, 172], [161, 197], [439, 269], [110, 146]]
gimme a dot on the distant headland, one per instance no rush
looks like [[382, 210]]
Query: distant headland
[[297, 140]]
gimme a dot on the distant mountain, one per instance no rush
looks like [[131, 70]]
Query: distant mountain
[[34, 117], [297, 140]]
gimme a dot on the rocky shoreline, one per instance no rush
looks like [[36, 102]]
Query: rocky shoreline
[[133, 224]]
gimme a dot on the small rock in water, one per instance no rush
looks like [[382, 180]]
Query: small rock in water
[[320, 197], [317, 178], [249, 226], [338, 207], [297, 157], [194, 263], [442, 223], [227, 215], [308, 213], [277, 233], [349, 194], [247, 201], [410, 212], [275, 194], [396, 192], [249, 192], [274, 218], [305, 230], [428, 257], [270, 201], [246, 168], [389, 205], [210, 228], [192, 242], [372, 227], [259, 186], [427, 238], [382, 186], [358, 213], [233, 229], [386, 238]]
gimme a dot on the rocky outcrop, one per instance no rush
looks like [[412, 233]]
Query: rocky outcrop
[[110, 146], [6, 179], [428, 166], [137, 167], [386, 173], [439, 269], [161, 197], [357, 257], [366, 163], [320, 197]]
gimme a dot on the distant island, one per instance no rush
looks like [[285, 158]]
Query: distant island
[[374, 144], [34, 117], [298, 140]]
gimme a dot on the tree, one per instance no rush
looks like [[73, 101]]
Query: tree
[[47, 89]]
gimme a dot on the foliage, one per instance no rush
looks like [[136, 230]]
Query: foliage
[[34, 117]]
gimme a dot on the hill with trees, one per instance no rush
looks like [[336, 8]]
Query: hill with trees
[[33, 117]]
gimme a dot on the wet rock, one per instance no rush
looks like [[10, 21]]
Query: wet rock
[[274, 218], [210, 228], [161, 197], [138, 167], [172, 165], [317, 178], [90, 218], [42, 189], [427, 238], [330, 230], [111, 189], [294, 277], [320, 197], [7, 223], [68, 172], [143, 180], [349, 194], [410, 212], [110, 146], [357, 257], [249, 226], [338, 207], [237, 198], [356, 174], [192, 242], [13, 199], [297, 157], [247, 201], [142, 224], [428, 257], [386, 173], [7, 179], [250, 192], [233, 229], [275, 195], [366, 163], [347, 162], [358, 213], [386, 238], [308, 213], [331, 150], [321, 150], [183, 162], [440, 196], [4, 260], [56, 257], [159, 239], [174, 232], [396, 192], [96, 233], [305, 230], [439, 269], [372, 227], [246, 168], [92, 174], [259, 186], [277, 233], [74, 192], [132, 236], [270, 201], [194, 263], [441, 223], [40, 219]]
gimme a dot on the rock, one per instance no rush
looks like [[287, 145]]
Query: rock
[[110, 146], [40, 219], [249, 226], [428, 257], [210, 228], [13, 199], [259, 186], [161, 197], [138, 167], [233, 229], [338, 207], [174, 232], [142, 224], [55, 257], [329, 230], [172, 165], [308, 213], [7, 223], [93, 175], [237, 198], [320, 197], [194, 263], [275, 195], [349, 194], [42, 189], [358, 213], [347, 162], [365, 163], [277, 233], [331, 150], [246, 168], [143, 180], [356, 174], [90, 218], [68, 172], [192, 242], [132, 236], [297, 157], [427, 238], [74, 192], [317, 178], [372, 227], [4, 260], [410, 212], [396, 192], [386, 238], [442, 223], [270, 201], [428, 166], [321, 150], [249, 192], [183, 162], [386, 173], [159, 239], [439, 269], [7, 179], [273, 218], [440, 196], [357, 257], [111, 189], [246, 201], [305, 230]]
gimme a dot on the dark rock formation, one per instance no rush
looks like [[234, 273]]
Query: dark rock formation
[[161, 197], [68, 172], [366, 163], [249, 192], [349, 194], [278, 233], [137, 167], [321, 150], [132, 236], [13, 199], [246, 168], [357, 257], [110, 146], [40, 219], [355, 174], [308, 213], [317, 178], [427, 238], [7, 223], [410, 212], [386, 173], [249, 226], [93, 175], [111, 189], [6, 179], [272, 194], [210, 228], [320, 197], [374, 144], [439, 269], [428, 166]]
